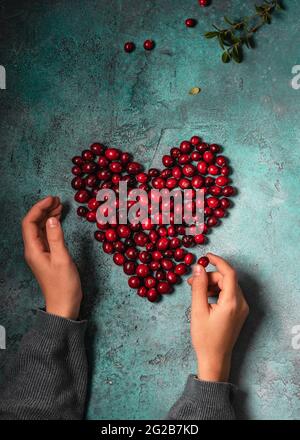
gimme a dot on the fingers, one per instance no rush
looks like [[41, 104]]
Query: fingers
[[214, 281], [229, 282], [55, 237], [199, 291]]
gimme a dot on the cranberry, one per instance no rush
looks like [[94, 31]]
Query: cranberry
[[142, 177], [225, 171], [160, 275], [134, 282], [213, 170], [142, 270], [152, 295], [175, 243], [115, 167], [190, 22], [82, 196], [166, 173], [163, 244], [225, 203], [142, 291], [91, 181], [125, 157], [197, 182], [195, 140], [150, 282], [78, 183], [97, 148], [215, 190], [129, 47], [111, 235], [133, 168], [203, 3], [163, 287], [219, 212], [212, 221], [103, 175], [199, 238], [140, 239], [208, 211], [77, 160], [202, 147], [185, 147], [167, 264], [119, 259], [221, 161], [153, 236], [213, 202], [188, 241], [179, 254], [171, 183], [214, 148], [203, 261], [175, 152], [99, 236], [171, 231], [184, 183], [209, 181], [158, 183], [150, 246], [82, 211], [189, 259], [177, 172], [208, 157], [144, 257], [88, 155], [119, 246], [180, 269], [149, 44], [167, 161], [112, 153], [222, 181], [202, 167], [162, 231], [123, 231], [108, 247], [189, 170], [153, 172], [183, 159], [103, 162], [195, 156], [172, 277], [129, 267], [154, 265], [228, 191]]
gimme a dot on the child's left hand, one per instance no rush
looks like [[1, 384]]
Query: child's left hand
[[49, 259]]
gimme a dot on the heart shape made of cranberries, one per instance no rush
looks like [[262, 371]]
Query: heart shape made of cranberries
[[154, 256]]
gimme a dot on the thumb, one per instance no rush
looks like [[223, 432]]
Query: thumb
[[199, 290], [55, 236]]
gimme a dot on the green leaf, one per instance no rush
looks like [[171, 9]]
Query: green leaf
[[226, 57], [236, 54], [211, 34], [226, 19]]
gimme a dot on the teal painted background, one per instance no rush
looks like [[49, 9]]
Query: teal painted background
[[69, 83]]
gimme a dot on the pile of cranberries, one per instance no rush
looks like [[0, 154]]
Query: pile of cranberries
[[154, 256]]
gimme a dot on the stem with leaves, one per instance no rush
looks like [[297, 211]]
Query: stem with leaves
[[240, 33]]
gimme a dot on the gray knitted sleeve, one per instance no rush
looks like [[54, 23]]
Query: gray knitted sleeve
[[204, 401], [48, 377]]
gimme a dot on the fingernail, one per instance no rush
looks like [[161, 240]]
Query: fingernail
[[53, 222], [197, 270]]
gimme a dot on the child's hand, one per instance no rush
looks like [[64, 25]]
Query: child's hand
[[216, 327], [49, 259]]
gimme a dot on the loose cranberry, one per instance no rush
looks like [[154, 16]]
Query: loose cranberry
[[166, 173], [199, 238], [82, 196], [189, 170], [215, 190], [203, 261], [144, 257], [115, 167], [208, 211], [209, 181], [225, 203], [149, 44], [213, 202], [160, 275], [133, 168], [183, 159], [167, 161], [102, 162], [119, 259], [129, 47], [172, 277], [222, 181], [163, 244], [195, 156], [225, 171], [77, 160], [202, 147], [171, 231], [150, 282], [97, 148], [189, 259], [163, 287], [123, 231], [140, 239], [219, 212], [228, 191], [78, 183], [177, 172], [190, 22], [112, 153], [202, 167], [212, 221], [104, 175], [154, 265], [188, 241], [168, 253], [203, 3], [142, 291], [142, 270], [129, 242], [213, 170], [175, 242], [82, 211], [167, 264], [88, 155], [76, 170], [171, 183], [195, 140], [89, 167], [111, 235], [99, 236], [142, 177], [221, 161], [150, 246], [119, 246], [162, 231], [158, 183], [179, 254], [91, 181], [185, 147], [180, 269], [197, 182], [108, 247], [214, 148], [153, 236], [175, 152], [129, 267], [153, 172], [125, 157], [184, 183], [152, 295], [134, 282], [208, 157]]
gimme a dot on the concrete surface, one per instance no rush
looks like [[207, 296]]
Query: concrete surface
[[69, 83]]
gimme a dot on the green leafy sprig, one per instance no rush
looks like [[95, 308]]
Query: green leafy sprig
[[240, 33]]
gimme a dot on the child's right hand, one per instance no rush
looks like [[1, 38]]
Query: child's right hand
[[216, 327], [49, 259]]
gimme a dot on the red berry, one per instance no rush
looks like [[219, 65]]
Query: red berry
[[190, 22], [129, 46], [212, 221], [177, 172], [76, 170], [208, 157], [199, 238], [183, 159], [197, 182], [78, 183], [140, 239], [154, 172], [175, 152], [152, 295], [82, 211], [179, 254], [149, 44], [228, 191], [150, 282], [163, 287], [213, 202], [111, 235], [145, 257], [184, 183], [195, 156], [203, 3], [222, 181], [88, 155], [163, 244], [189, 259], [214, 148], [142, 177], [167, 264], [142, 270], [160, 275], [99, 236], [225, 171], [129, 267], [172, 277], [189, 170], [195, 140], [203, 261], [142, 291], [213, 170], [219, 213], [158, 183], [134, 282], [77, 160], [202, 167], [103, 162], [225, 203], [167, 161], [108, 247], [82, 196], [185, 147], [171, 183], [180, 269], [97, 148], [119, 259], [132, 253]]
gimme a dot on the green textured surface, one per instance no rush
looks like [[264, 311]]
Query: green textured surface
[[70, 83]]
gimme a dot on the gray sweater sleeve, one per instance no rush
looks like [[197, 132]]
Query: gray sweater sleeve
[[48, 377], [204, 401]]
